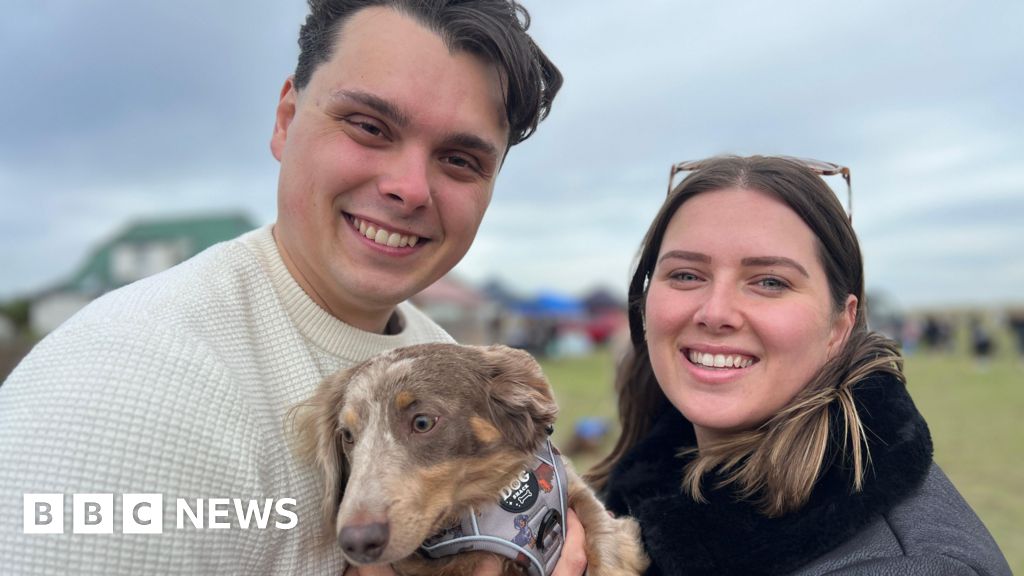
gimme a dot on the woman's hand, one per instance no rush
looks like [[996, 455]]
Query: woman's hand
[[573, 561], [574, 552]]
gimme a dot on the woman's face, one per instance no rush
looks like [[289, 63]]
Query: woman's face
[[739, 315]]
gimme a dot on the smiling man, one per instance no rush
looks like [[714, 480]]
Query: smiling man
[[390, 136], [389, 152]]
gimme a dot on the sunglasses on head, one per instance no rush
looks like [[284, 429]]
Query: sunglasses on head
[[819, 167]]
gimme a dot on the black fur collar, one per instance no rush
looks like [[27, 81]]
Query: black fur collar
[[725, 536]]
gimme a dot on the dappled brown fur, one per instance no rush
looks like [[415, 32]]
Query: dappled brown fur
[[428, 432]]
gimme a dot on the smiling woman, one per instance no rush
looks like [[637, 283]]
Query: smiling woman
[[765, 429]]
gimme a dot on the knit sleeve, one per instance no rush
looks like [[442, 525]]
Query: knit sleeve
[[117, 408]]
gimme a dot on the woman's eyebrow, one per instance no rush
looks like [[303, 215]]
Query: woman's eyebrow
[[768, 261], [685, 255]]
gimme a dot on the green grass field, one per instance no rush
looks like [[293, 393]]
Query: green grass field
[[972, 411]]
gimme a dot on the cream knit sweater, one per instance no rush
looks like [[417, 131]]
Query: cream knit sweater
[[179, 385]]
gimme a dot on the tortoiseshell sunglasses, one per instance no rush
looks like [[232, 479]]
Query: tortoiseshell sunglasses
[[817, 166]]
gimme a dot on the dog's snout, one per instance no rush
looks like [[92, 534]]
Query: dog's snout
[[363, 543]]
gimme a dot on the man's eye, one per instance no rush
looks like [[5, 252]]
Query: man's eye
[[366, 125], [460, 161], [370, 128]]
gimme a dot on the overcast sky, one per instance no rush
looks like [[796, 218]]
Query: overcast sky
[[114, 110]]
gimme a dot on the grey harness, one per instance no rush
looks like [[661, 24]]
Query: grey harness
[[526, 524]]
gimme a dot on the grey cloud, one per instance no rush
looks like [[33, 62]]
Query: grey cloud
[[123, 108]]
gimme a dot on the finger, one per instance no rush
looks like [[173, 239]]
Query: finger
[[573, 561]]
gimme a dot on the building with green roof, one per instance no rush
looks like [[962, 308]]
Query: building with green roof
[[141, 249]]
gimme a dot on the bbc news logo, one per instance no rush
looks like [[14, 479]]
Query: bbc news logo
[[144, 513]]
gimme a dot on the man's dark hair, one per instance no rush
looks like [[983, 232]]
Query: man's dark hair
[[494, 30]]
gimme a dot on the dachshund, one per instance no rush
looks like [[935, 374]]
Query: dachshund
[[413, 441]]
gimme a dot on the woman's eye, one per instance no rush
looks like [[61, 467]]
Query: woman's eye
[[772, 283], [684, 276], [422, 423]]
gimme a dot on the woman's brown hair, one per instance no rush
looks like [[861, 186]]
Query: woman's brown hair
[[777, 464]]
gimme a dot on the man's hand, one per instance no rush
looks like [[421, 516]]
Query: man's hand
[[573, 561]]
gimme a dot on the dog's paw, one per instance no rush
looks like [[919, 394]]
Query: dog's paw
[[622, 556]]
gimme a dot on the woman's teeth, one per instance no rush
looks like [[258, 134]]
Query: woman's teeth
[[720, 360], [384, 237]]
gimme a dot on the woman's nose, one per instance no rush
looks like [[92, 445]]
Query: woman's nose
[[720, 309]]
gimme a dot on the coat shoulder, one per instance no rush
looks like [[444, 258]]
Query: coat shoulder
[[934, 527]]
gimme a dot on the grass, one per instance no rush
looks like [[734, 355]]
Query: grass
[[971, 409]]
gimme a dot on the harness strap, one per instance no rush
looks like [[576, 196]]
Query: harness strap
[[526, 523]]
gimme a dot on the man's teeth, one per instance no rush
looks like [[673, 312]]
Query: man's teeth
[[382, 236], [720, 360]]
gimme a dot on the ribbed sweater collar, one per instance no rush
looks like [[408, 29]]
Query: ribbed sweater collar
[[316, 324]]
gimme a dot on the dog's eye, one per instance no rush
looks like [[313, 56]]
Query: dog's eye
[[422, 423], [347, 436]]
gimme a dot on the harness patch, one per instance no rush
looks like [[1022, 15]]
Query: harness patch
[[520, 494]]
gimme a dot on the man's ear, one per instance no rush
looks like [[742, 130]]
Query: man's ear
[[842, 326], [522, 404], [283, 118]]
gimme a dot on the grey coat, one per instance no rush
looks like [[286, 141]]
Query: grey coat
[[908, 519], [932, 532]]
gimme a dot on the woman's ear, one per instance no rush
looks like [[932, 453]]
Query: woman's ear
[[843, 326]]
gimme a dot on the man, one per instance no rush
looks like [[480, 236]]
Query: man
[[390, 136]]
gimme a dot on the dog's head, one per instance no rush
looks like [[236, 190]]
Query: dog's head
[[407, 440]]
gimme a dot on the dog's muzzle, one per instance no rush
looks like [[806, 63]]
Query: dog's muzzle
[[526, 524]]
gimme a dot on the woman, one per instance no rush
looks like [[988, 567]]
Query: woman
[[765, 430]]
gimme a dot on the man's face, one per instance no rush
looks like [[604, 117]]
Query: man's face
[[388, 160]]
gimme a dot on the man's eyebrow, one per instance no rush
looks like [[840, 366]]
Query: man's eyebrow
[[472, 142], [767, 261], [378, 104], [685, 255]]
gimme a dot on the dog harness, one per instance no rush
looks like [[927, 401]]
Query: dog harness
[[526, 524]]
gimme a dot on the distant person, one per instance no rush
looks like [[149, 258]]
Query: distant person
[[910, 335], [937, 334], [390, 136], [1015, 320], [765, 430], [982, 345]]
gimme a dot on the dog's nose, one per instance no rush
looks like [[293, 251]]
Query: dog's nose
[[364, 543]]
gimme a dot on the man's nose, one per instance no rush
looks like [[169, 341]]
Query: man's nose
[[406, 183]]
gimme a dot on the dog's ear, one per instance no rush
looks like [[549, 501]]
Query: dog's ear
[[522, 404], [315, 423]]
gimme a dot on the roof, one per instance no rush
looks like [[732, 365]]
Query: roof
[[197, 233]]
